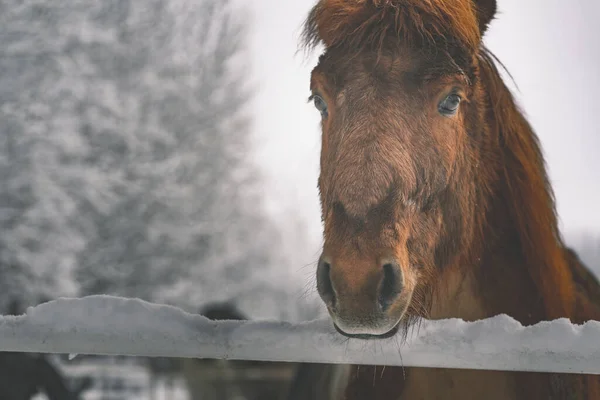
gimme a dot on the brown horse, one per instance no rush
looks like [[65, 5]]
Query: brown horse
[[434, 194]]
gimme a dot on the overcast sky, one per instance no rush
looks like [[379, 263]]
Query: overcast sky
[[551, 47]]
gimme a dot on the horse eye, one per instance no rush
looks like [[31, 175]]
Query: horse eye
[[449, 106], [320, 105]]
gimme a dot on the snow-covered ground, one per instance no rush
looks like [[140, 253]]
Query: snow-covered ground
[[111, 325]]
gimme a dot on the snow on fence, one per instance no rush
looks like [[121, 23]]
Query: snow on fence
[[109, 326]]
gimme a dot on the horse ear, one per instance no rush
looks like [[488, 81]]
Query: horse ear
[[486, 10]]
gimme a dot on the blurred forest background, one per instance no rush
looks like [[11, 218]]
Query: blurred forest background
[[126, 158], [134, 160]]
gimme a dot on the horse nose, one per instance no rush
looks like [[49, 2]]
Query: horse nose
[[387, 287]]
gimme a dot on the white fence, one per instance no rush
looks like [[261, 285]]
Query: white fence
[[109, 326]]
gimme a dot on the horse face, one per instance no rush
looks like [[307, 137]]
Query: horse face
[[394, 134]]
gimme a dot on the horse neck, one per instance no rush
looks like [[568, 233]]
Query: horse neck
[[515, 263]]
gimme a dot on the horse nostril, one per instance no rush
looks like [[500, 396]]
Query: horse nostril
[[391, 285], [324, 285]]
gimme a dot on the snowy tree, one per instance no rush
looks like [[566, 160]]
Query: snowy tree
[[38, 147], [184, 225]]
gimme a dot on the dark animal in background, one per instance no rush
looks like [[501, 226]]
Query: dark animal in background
[[434, 195], [22, 376]]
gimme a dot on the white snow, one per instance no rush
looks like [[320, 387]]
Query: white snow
[[111, 325]]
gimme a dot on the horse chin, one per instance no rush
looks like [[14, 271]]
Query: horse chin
[[365, 336], [388, 323]]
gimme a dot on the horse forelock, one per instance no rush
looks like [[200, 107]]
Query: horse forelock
[[377, 23]]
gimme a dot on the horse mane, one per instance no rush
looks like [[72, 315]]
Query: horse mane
[[529, 193], [364, 23]]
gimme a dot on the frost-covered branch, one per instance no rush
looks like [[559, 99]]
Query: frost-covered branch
[[110, 325]]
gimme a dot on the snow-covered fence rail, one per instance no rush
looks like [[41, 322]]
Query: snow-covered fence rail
[[109, 325]]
